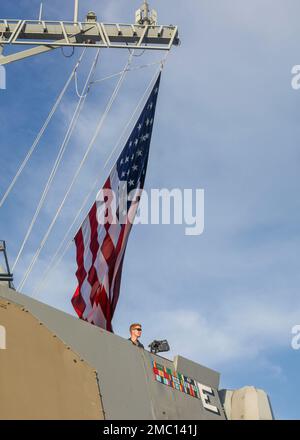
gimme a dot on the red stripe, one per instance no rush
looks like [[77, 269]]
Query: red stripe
[[98, 293], [100, 297], [108, 249], [94, 245], [107, 184], [77, 301], [81, 272], [108, 252]]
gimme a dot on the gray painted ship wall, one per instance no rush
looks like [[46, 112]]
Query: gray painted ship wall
[[127, 385]]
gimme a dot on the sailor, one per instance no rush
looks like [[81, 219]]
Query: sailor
[[135, 334]]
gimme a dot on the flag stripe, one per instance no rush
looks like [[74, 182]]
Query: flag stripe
[[77, 300]]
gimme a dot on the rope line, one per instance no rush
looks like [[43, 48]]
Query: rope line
[[80, 95], [58, 160], [98, 129], [143, 66], [42, 131]]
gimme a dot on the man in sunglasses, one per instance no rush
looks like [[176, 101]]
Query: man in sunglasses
[[135, 334]]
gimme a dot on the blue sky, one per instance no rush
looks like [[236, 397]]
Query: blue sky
[[227, 122]]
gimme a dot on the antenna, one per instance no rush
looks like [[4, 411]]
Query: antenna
[[41, 12], [144, 16], [146, 10], [76, 7]]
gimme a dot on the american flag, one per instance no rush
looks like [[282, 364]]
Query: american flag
[[101, 245]]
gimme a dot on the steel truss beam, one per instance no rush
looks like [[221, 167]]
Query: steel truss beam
[[49, 35]]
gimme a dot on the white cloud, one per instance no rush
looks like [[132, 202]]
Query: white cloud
[[237, 331]]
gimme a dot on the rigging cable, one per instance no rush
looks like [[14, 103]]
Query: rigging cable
[[42, 131], [56, 259], [91, 144], [71, 54], [141, 66], [84, 93], [58, 159]]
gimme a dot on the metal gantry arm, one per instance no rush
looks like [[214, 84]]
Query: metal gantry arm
[[49, 35]]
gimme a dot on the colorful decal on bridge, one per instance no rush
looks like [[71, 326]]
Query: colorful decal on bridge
[[175, 380]]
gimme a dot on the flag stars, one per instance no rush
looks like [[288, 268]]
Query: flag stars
[[131, 182], [148, 122], [132, 157], [130, 144], [135, 168], [136, 142], [145, 137], [127, 159], [139, 153], [139, 126]]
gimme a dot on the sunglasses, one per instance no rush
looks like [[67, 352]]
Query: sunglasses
[[138, 329]]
